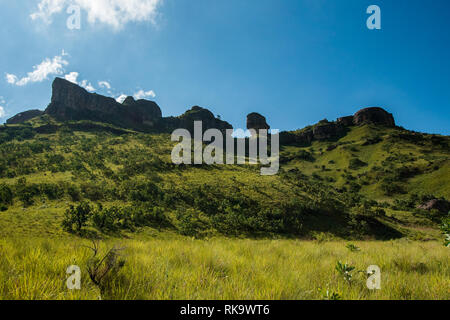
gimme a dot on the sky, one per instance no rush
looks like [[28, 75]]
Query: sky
[[294, 61]]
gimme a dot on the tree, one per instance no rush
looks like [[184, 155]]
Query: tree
[[77, 217]]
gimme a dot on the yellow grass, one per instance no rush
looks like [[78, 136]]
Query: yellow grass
[[227, 269]]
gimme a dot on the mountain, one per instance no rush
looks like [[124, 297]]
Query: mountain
[[71, 102], [359, 176]]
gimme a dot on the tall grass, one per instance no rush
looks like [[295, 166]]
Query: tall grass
[[227, 269]]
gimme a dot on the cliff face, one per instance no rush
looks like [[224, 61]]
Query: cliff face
[[374, 115], [71, 102], [196, 113], [257, 122], [325, 130]]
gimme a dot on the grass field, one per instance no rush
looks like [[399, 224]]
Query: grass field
[[182, 268]]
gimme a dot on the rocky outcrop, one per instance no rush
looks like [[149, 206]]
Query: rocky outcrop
[[257, 122], [71, 102], [24, 116], [196, 113], [345, 121], [374, 115], [327, 131], [436, 204]]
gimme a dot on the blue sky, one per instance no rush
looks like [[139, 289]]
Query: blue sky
[[296, 62]]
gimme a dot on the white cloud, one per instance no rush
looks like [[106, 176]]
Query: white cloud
[[121, 98], [104, 84], [72, 77], [10, 78], [87, 86], [47, 8], [2, 112], [2, 100], [54, 66], [115, 13], [141, 94]]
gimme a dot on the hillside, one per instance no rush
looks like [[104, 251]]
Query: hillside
[[351, 180]]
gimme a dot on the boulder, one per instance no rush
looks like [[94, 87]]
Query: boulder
[[257, 122], [374, 115], [24, 116]]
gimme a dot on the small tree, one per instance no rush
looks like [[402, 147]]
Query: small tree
[[75, 218]]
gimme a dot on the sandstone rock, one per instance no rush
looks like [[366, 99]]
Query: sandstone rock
[[257, 122], [436, 204], [345, 121], [196, 113], [327, 131], [374, 115], [24, 116], [71, 102]]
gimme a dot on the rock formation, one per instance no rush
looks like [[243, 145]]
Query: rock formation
[[24, 116], [257, 122], [71, 102], [374, 115], [196, 113], [345, 121], [326, 130]]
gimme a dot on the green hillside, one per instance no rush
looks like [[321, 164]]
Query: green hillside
[[222, 231], [365, 185]]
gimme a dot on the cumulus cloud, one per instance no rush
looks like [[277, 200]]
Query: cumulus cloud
[[10, 78], [141, 94], [48, 67], [115, 13], [87, 85], [47, 8], [72, 77], [104, 84], [121, 98]]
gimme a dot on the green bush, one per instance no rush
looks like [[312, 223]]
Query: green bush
[[76, 218], [355, 164]]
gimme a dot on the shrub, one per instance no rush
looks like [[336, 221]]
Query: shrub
[[75, 218], [6, 195], [190, 222], [355, 164]]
